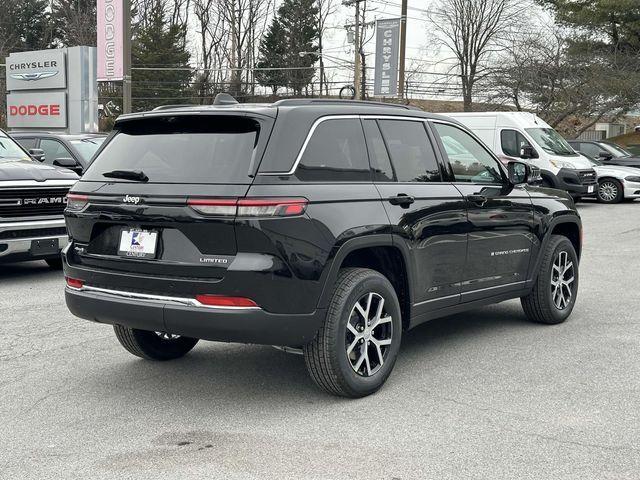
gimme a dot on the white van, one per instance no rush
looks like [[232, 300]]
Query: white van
[[527, 136]]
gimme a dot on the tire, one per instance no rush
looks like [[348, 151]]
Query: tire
[[337, 360], [543, 304], [153, 345], [610, 191], [54, 263]]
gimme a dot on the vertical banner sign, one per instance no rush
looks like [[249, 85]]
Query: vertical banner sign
[[387, 54], [110, 15]]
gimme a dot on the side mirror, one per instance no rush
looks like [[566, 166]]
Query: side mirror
[[519, 172], [527, 152], [605, 155], [37, 154], [65, 162]]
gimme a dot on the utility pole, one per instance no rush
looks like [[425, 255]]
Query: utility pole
[[357, 44], [357, 41], [403, 48], [126, 64]]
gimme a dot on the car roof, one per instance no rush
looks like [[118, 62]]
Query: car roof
[[66, 136], [314, 107]]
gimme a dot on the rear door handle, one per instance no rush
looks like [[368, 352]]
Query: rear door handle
[[402, 199], [477, 199]]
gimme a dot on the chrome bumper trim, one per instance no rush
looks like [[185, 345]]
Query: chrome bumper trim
[[182, 301]]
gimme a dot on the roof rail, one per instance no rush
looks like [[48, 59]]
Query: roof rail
[[169, 107], [292, 102]]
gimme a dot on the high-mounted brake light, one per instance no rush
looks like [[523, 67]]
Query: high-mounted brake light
[[250, 207], [223, 301], [76, 201], [74, 282]]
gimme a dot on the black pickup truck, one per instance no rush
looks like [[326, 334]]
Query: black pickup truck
[[32, 201]]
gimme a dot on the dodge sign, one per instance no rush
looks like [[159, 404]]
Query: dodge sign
[[43, 69], [37, 110]]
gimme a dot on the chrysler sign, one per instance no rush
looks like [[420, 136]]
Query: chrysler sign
[[37, 110], [43, 69]]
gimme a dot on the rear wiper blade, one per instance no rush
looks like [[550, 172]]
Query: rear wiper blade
[[127, 175]]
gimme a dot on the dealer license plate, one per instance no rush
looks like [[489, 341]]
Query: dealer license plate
[[591, 188], [138, 243]]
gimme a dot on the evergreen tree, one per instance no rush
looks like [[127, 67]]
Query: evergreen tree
[[600, 25], [299, 21], [24, 25], [273, 51], [159, 43]]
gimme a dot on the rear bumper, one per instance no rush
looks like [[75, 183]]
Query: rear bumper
[[179, 316], [16, 238]]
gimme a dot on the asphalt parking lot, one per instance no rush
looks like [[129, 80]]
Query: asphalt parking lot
[[479, 395]]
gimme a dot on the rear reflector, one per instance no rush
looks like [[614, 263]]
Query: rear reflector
[[222, 301], [250, 207], [74, 282]]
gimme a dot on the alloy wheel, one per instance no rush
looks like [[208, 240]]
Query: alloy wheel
[[608, 191], [562, 279], [369, 335]]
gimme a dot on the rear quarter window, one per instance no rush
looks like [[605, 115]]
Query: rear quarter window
[[336, 151], [182, 149]]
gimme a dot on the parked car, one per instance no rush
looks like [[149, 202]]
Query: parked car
[[527, 136], [330, 227], [616, 183], [73, 151], [607, 152], [32, 199]]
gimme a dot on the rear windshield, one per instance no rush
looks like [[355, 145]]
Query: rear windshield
[[181, 149]]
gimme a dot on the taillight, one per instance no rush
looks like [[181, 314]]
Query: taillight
[[74, 283], [271, 207], [76, 202], [224, 301], [250, 207], [216, 207]]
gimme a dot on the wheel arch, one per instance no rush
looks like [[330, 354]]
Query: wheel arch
[[568, 226], [379, 253]]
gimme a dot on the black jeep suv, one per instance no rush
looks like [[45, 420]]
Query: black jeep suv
[[324, 226]]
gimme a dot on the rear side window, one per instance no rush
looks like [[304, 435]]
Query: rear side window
[[412, 154], [378, 155], [182, 149], [336, 151], [512, 142]]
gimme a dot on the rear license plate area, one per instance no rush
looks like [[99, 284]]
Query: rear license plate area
[[136, 243]]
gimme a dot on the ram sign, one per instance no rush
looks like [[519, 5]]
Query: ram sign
[[41, 70], [44, 110]]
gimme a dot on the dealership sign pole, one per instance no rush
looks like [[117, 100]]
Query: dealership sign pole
[[114, 45], [385, 82]]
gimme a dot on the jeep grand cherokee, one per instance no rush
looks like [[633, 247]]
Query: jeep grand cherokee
[[324, 226]]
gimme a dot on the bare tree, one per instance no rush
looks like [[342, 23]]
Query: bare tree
[[326, 8], [471, 29]]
